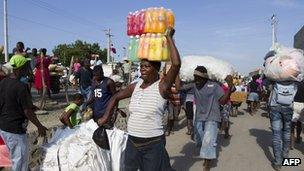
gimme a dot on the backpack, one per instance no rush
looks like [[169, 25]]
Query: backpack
[[284, 94]]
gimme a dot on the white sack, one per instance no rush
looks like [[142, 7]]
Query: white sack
[[77, 150], [118, 142], [217, 69], [286, 65]]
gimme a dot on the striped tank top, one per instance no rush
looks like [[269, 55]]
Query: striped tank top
[[146, 111]]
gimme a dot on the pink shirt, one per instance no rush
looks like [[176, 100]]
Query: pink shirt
[[76, 67], [226, 89]]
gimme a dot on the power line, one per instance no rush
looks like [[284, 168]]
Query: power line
[[63, 13], [47, 26]]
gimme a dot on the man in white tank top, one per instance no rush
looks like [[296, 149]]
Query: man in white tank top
[[146, 142]]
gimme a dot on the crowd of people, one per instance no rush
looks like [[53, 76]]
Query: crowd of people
[[155, 92]]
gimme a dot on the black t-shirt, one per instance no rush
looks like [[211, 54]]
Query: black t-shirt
[[15, 97], [253, 87], [85, 77], [300, 93]]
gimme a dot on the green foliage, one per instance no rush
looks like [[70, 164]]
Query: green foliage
[[80, 50]]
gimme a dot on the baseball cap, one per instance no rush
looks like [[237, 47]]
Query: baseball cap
[[17, 61]]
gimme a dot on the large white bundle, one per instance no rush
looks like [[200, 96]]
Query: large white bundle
[[286, 65], [217, 69], [75, 150]]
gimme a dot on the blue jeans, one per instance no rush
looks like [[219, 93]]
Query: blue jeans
[[206, 137], [280, 119], [150, 156], [18, 147]]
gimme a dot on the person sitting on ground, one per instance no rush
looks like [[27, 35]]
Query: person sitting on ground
[[69, 117]]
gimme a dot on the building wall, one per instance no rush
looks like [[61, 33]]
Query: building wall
[[299, 39]]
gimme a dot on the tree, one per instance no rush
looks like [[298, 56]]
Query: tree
[[78, 49]]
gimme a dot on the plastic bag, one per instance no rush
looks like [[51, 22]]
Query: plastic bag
[[285, 64], [189, 63], [100, 137]]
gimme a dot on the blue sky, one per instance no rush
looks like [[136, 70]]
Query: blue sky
[[237, 31]]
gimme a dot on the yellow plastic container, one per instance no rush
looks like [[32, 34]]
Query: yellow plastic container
[[140, 51], [146, 46], [152, 48], [161, 24], [165, 49], [158, 47], [148, 21], [154, 24], [170, 18]]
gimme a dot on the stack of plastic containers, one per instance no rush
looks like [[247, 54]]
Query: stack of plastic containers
[[146, 29]]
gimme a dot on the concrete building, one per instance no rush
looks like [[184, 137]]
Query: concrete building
[[299, 39]]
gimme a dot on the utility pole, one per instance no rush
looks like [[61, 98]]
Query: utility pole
[[109, 35], [274, 23], [5, 30], [124, 52]]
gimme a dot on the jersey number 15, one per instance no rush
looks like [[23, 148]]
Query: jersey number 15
[[98, 93]]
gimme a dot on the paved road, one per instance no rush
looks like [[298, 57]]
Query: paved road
[[249, 148]]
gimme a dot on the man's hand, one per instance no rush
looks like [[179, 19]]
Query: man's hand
[[170, 32], [102, 121], [42, 130]]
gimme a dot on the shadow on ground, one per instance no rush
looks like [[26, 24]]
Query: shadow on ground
[[264, 140], [300, 146], [190, 155]]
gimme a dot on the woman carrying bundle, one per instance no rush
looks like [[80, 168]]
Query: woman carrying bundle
[[146, 142]]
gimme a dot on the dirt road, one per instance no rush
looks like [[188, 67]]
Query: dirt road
[[248, 149]]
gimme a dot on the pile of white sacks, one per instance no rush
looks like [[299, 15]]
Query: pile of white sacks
[[217, 69], [287, 64], [74, 149]]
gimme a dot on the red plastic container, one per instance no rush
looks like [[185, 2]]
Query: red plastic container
[[141, 27], [130, 23]]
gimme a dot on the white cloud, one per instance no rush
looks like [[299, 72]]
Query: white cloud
[[285, 3]]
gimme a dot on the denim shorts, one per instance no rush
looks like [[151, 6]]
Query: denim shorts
[[206, 137], [253, 97]]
